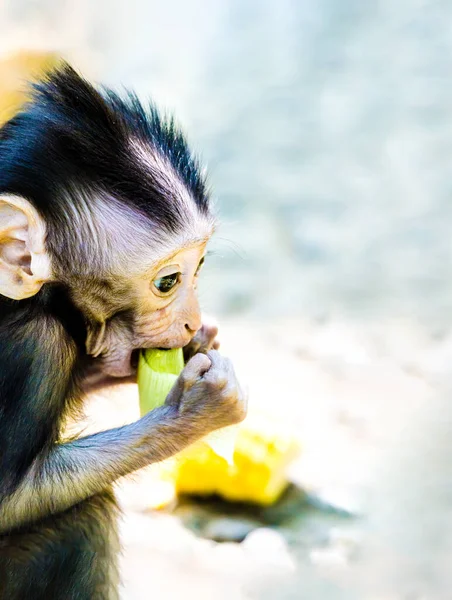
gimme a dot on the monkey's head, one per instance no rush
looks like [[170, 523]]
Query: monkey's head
[[103, 197]]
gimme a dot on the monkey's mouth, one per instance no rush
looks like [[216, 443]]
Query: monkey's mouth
[[135, 356]]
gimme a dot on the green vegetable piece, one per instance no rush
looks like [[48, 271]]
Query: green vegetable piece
[[157, 373]]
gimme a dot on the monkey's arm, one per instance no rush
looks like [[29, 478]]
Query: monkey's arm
[[39, 476], [70, 472]]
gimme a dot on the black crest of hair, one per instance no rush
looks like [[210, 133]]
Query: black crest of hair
[[73, 136]]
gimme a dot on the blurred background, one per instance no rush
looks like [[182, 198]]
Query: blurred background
[[327, 132]]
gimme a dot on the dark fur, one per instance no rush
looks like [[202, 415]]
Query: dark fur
[[56, 514], [71, 555]]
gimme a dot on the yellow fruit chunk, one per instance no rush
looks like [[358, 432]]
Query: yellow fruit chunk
[[259, 470]]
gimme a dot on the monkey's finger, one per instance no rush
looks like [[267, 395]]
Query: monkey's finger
[[216, 359], [195, 368], [210, 341], [205, 337], [209, 332], [219, 371], [192, 372]]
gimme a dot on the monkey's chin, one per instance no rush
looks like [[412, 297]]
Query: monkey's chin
[[120, 366]]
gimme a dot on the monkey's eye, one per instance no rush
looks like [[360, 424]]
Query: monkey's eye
[[201, 262], [166, 283]]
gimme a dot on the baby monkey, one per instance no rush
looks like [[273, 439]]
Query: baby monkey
[[104, 222]]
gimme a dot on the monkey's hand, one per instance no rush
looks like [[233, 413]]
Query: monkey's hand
[[204, 340], [207, 395]]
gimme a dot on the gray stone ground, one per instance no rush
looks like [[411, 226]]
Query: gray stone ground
[[327, 129]]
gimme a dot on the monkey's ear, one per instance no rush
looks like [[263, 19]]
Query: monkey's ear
[[24, 263]]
